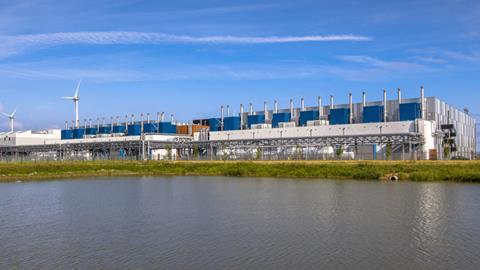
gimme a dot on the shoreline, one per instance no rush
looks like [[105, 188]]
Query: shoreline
[[451, 171]]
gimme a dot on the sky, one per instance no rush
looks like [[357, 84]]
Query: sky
[[189, 57]]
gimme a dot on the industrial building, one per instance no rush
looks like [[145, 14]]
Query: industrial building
[[413, 128]]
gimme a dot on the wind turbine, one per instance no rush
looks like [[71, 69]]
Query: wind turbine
[[75, 99], [11, 117]]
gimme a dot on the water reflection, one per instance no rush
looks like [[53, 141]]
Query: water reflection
[[237, 223]]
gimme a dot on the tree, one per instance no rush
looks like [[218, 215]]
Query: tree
[[339, 152], [388, 151]]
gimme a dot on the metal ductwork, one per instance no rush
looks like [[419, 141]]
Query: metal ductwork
[[291, 109], [222, 116], [265, 109], [241, 116], [350, 103], [399, 93], [384, 105], [319, 107], [423, 103]]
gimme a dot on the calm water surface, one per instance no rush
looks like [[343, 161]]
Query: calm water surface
[[236, 223]]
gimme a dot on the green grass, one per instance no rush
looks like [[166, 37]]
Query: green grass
[[457, 171]]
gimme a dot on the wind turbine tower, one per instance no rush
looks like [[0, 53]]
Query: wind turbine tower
[[76, 99], [11, 117]]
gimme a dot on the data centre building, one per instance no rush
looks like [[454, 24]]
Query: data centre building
[[446, 132]]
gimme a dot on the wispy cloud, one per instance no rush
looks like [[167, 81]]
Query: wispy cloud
[[378, 63], [10, 45]]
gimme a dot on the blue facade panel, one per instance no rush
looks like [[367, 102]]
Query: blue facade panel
[[67, 134], [214, 124], [167, 128], [134, 130], [150, 128], [119, 129], [410, 111], [373, 114], [339, 116], [255, 119], [78, 133], [306, 116], [91, 131], [105, 130], [231, 123], [280, 118]]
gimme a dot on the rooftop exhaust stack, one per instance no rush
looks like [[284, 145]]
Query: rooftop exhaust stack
[[331, 102], [66, 124], [303, 104], [162, 117], [241, 116], [228, 110], [265, 109], [422, 102], [319, 107], [148, 118], [399, 93], [221, 117], [250, 111], [350, 101], [98, 123], [172, 119], [384, 105], [291, 108], [275, 106], [364, 99], [126, 121]]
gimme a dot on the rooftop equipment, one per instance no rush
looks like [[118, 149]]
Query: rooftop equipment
[[339, 116], [232, 123], [275, 106], [331, 102], [319, 107], [350, 115], [255, 120], [241, 116], [384, 105], [280, 118]]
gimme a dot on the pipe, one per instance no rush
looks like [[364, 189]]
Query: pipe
[[162, 117], [320, 107], [148, 118], [291, 109], [250, 112], [66, 124], [133, 119], [126, 121], [98, 123], [331, 102], [85, 123], [399, 93], [364, 99], [228, 110], [73, 124], [422, 102], [90, 123], [221, 118], [384, 105], [172, 119], [265, 109], [241, 116], [302, 104], [275, 106], [350, 101]]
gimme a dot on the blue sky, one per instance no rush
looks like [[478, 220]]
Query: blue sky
[[189, 57]]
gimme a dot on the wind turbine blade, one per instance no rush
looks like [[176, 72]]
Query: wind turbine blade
[[14, 112], [7, 115], [78, 89], [67, 97]]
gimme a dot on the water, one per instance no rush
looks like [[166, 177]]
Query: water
[[236, 223]]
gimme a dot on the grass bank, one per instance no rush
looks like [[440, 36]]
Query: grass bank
[[456, 171]]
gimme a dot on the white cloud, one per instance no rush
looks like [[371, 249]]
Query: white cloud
[[10, 45], [378, 63]]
